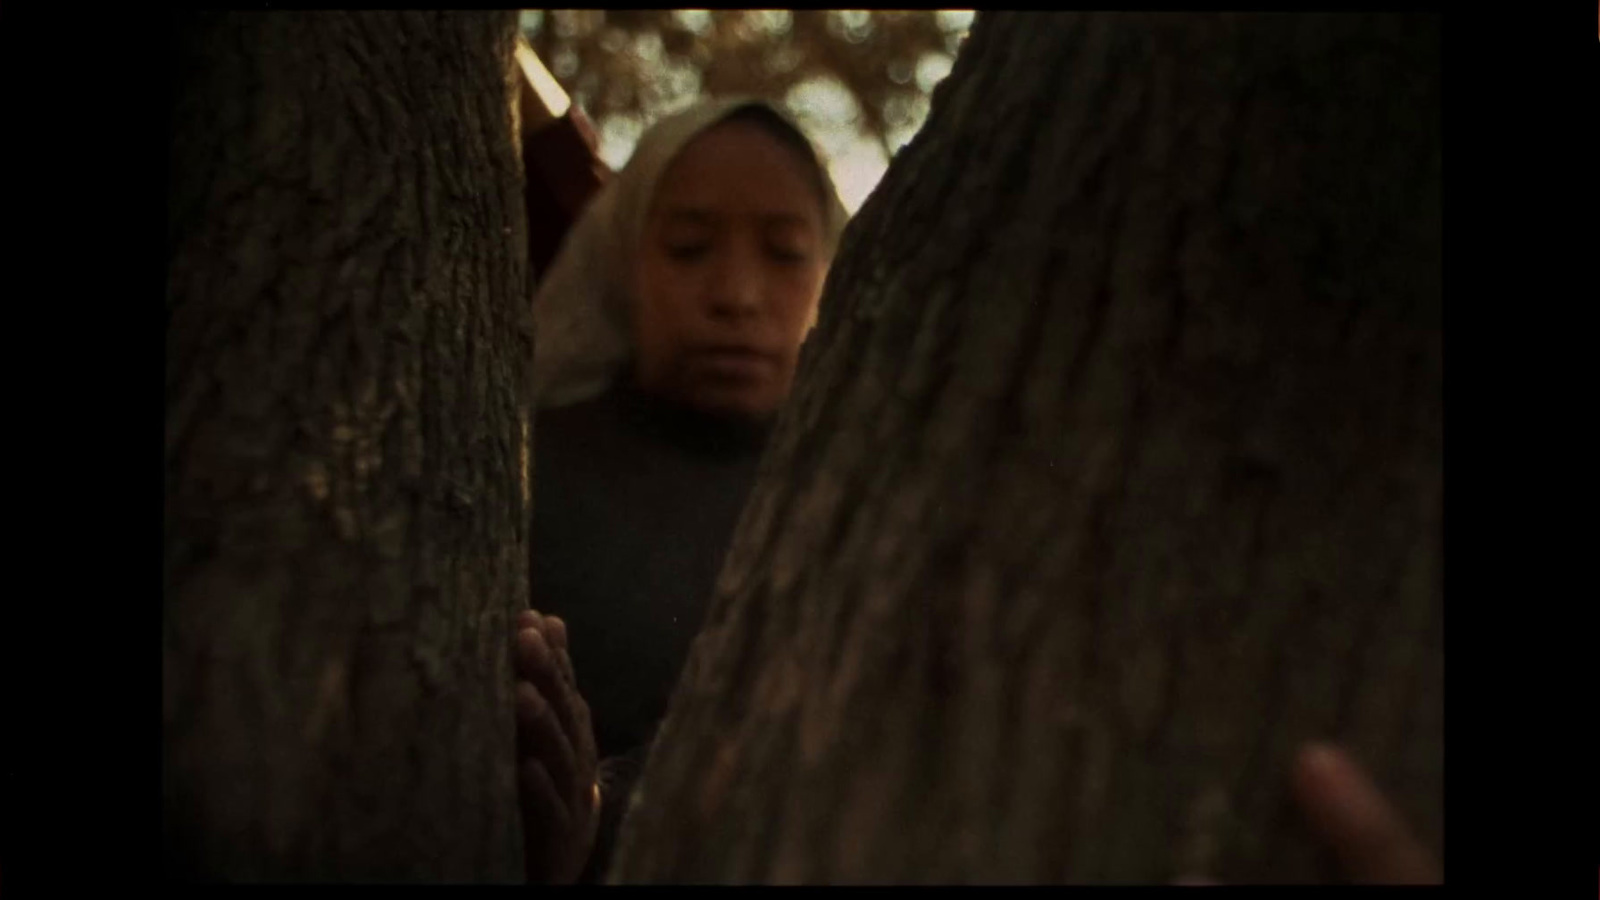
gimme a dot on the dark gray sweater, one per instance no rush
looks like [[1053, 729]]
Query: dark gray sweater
[[634, 504]]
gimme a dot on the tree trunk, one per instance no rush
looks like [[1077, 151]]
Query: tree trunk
[[346, 449], [1113, 473]]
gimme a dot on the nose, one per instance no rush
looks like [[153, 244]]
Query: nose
[[736, 287]]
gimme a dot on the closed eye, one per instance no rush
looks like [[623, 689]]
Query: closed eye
[[687, 252], [787, 255]]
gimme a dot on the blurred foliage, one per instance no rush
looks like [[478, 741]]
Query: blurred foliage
[[870, 69]]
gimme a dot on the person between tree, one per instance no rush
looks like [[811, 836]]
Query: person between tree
[[668, 333], [668, 329]]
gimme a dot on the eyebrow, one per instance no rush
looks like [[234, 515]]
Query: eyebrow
[[694, 216]]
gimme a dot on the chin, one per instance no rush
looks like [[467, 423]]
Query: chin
[[754, 404]]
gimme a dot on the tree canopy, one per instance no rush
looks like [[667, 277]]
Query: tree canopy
[[858, 80]]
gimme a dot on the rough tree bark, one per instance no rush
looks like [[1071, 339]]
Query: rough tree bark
[[346, 498], [1113, 473]]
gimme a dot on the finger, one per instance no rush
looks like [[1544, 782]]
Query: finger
[[545, 820], [555, 631], [590, 829], [537, 664], [583, 743], [570, 855], [541, 737], [529, 618], [1348, 812], [564, 668], [532, 651], [546, 813]]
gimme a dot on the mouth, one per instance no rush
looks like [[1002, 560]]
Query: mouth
[[733, 362]]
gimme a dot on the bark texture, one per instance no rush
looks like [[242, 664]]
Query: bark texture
[[346, 500], [1113, 473]]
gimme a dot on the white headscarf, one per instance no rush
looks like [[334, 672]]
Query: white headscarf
[[583, 337]]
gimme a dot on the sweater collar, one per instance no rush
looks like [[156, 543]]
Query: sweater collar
[[695, 431]]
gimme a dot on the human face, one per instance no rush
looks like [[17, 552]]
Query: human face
[[730, 272]]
